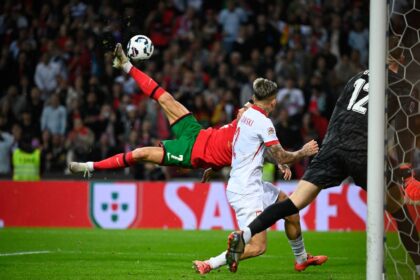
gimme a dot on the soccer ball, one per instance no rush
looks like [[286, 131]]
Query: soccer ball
[[140, 47]]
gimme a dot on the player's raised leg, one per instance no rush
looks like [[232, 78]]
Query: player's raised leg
[[172, 108]]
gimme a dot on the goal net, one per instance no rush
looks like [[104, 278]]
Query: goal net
[[403, 140]]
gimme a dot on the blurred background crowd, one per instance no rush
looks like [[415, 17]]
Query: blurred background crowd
[[61, 98]]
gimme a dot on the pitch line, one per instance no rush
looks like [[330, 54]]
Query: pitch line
[[24, 253]]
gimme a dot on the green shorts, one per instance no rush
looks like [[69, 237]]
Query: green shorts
[[177, 152]]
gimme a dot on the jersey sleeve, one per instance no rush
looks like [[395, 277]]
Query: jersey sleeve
[[268, 134]]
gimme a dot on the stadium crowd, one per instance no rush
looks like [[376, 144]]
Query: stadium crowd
[[60, 96]]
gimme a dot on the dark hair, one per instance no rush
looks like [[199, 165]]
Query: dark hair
[[264, 88]]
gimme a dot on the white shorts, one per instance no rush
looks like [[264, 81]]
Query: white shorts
[[248, 206]]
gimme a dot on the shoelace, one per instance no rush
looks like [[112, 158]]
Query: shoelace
[[87, 174]]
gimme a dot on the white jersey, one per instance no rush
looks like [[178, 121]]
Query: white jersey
[[255, 132]]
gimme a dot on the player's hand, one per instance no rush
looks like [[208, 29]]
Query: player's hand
[[285, 169], [311, 148], [208, 173]]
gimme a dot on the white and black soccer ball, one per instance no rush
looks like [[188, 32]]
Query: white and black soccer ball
[[140, 47]]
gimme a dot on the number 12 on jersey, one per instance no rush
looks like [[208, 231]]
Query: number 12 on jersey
[[358, 106]]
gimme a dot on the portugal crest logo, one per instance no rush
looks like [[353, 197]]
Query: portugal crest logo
[[113, 205]]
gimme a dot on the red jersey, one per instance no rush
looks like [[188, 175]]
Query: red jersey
[[213, 147]]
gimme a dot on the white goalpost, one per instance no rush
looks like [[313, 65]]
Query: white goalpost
[[378, 25]]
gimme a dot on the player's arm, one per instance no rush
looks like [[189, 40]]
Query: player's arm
[[281, 156], [284, 168], [210, 173]]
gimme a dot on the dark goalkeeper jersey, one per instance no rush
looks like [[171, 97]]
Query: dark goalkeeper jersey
[[348, 124], [344, 150]]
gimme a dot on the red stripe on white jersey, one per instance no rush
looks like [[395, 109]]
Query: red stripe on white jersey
[[258, 150], [271, 143]]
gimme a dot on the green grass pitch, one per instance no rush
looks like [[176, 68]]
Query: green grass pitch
[[166, 254]]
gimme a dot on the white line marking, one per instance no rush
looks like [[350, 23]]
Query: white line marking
[[24, 253]]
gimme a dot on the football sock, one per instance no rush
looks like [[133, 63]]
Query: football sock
[[272, 214], [115, 162], [218, 261], [298, 248], [247, 234], [90, 166], [145, 83], [408, 233], [418, 269]]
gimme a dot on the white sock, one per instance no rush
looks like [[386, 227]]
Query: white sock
[[127, 67], [218, 261], [298, 249], [418, 269], [90, 166], [247, 234]]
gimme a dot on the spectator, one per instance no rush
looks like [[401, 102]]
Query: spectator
[[46, 73], [327, 55], [344, 70], [54, 116], [266, 34], [359, 40], [35, 105], [244, 42], [247, 90], [230, 19], [210, 28], [184, 25], [91, 114], [159, 24], [292, 99], [287, 67], [54, 155], [103, 148], [201, 112], [127, 82], [287, 132], [338, 37], [79, 142], [31, 130], [17, 134], [6, 143]]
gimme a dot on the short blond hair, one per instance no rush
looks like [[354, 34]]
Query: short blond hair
[[264, 88]]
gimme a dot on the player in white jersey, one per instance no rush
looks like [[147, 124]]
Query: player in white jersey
[[246, 192], [254, 133]]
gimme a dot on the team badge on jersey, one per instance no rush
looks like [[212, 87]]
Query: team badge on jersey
[[113, 205], [271, 131]]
